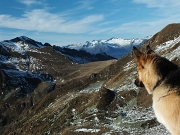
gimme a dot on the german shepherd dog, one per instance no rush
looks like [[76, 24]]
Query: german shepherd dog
[[161, 78]]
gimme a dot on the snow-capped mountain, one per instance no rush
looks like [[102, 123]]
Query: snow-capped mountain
[[19, 69], [115, 47]]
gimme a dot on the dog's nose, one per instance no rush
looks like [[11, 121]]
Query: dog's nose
[[138, 83]]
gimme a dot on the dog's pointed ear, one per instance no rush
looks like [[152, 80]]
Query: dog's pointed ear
[[136, 52], [149, 50]]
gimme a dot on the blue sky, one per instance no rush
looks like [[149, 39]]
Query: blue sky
[[63, 22]]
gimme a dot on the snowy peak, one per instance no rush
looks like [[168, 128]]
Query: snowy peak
[[21, 38], [28, 41], [115, 47], [124, 42]]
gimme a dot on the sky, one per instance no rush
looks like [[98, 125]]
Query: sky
[[64, 22]]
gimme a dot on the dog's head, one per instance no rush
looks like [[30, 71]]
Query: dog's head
[[147, 76]]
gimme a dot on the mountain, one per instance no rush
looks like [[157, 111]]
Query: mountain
[[81, 56], [115, 47], [43, 92], [17, 66]]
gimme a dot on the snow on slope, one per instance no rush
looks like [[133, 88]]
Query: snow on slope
[[115, 47], [168, 45], [20, 67], [20, 45]]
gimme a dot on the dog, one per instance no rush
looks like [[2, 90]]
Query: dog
[[161, 78]]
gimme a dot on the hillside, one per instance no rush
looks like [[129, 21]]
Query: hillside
[[81, 56], [82, 99]]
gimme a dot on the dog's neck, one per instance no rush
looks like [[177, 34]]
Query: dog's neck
[[158, 83], [166, 77]]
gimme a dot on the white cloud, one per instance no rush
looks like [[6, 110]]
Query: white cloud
[[145, 27], [81, 6], [85, 4], [41, 20], [29, 2], [159, 3], [166, 12]]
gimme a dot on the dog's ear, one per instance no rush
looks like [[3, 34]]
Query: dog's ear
[[136, 52], [149, 50]]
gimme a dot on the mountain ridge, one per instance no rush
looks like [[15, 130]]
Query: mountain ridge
[[115, 47]]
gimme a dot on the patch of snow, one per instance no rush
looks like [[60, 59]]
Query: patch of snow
[[129, 65], [128, 83], [174, 54], [14, 47], [167, 45], [92, 88], [87, 130]]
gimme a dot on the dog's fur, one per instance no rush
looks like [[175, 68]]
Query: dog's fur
[[161, 78]]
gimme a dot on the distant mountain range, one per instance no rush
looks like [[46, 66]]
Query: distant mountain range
[[22, 44], [96, 50], [115, 47]]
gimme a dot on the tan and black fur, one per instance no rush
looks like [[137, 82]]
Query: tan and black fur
[[161, 78]]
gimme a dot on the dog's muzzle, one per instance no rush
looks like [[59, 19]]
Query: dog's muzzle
[[138, 83]]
